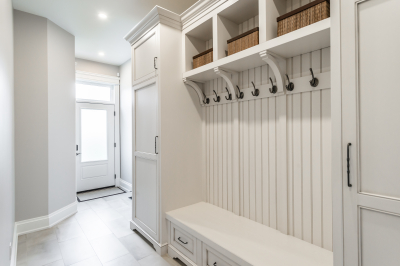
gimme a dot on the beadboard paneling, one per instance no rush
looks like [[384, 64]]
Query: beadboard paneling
[[269, 159]]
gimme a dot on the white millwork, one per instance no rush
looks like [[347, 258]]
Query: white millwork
[[167, 126], [199, 91], [278, 66], [95, 146], [227, 76], [370, 132], [203, 234]]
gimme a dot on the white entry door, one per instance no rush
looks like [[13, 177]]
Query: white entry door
[[371, 131], [145, 187], [95, 146]]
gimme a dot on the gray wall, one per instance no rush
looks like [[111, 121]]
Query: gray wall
[[61, 117], [126, 121], [44, 116], [96, 67], [6, 131], [31, 119]]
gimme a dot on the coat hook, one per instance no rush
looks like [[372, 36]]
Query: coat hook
[[229, 98], [314, 82], [218, 98], [241, 94], [274, 89], [207, 100], [290, 86], [256, 91]]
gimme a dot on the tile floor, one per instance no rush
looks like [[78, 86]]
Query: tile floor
[[99, 234]]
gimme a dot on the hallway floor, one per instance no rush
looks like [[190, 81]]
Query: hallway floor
[[98, 235]]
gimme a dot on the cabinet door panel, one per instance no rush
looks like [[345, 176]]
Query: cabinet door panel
[[144, 54]]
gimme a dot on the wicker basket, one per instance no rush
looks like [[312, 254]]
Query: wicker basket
[[203, 58], [243, 41], [303, 16]]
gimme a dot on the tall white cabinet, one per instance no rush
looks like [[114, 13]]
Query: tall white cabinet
[[167, 128]]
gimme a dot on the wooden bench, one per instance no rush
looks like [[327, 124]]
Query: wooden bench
[[205, 235]]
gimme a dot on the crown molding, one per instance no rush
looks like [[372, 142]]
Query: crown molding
[[200, 8], [153, 18]]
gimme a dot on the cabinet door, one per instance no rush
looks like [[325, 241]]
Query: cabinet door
[[145, 55], [146, 172], [371, 126]]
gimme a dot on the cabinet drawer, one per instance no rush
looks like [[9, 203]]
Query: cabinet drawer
[[183, 241], [211, 257]]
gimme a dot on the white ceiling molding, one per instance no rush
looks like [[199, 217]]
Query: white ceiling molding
[[153, 18], [199, 9]]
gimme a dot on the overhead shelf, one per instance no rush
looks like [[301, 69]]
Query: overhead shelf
[[310, 38]]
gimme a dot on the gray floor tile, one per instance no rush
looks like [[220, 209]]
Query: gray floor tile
[[108, 248], [95, 229], [83, 206], [69, 220], [68, 231], [76, 250], [126, 212], [56, 263], [127, 201], [108, 214], [137, 246], [119, 227], [153, 260], [172, 261], [40, 236], [126, 260], [93, 261], [116, 203], [97, 204], [43, 253], [87, 216]]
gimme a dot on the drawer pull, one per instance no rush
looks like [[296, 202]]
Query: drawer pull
[[179, 238]]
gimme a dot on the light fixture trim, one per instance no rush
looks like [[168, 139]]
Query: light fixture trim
[[101, 53]]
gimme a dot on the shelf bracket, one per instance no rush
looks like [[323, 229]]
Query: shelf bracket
[[227, 76], [278, 66], [197, 90]]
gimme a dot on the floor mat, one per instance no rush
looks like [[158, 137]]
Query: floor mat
[[98, 193]]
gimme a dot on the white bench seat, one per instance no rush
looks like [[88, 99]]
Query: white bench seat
[[244, 240]]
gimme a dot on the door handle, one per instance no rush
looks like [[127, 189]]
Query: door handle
[[78, 153], [155, 145], [348, 165], [155, 61]]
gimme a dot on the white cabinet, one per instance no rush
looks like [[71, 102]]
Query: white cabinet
[[167, 129]]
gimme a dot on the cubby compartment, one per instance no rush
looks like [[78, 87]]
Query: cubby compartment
[[237, 19], [197, 41]]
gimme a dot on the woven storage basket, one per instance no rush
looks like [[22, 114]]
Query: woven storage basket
[[203, 58], [243, 41], [303, 16]]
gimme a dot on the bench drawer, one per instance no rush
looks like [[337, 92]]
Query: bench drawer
[[211, 257], [183, 241]]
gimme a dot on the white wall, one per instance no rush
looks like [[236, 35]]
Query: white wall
[[61, 117], [6, 131], [44, 116], [126, 121], [31, 116], [96, 67]]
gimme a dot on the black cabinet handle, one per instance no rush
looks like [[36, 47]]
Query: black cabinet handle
[[155, 145], [155, 60], [348, 165], [179, 238]]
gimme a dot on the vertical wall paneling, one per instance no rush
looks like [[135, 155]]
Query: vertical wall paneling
[[269, 159]]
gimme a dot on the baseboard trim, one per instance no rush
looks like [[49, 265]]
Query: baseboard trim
[[125, 185], [161, 249], [40, 223]]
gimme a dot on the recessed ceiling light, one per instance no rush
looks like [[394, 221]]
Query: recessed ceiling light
[[102, 16], [101, 53]]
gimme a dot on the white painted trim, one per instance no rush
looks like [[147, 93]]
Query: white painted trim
[[38, 224], [125, 185], [161, 249], [199, 10], [153, 18], [98, 78]]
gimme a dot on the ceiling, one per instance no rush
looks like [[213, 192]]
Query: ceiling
[[92, 34]]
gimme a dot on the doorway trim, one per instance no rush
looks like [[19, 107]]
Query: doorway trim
[[115, 82]]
